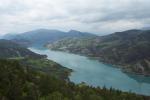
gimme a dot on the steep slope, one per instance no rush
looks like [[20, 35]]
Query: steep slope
[[42, 36], [9, 49], [129, 49]]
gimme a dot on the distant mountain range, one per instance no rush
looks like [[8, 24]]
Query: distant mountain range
[[129, 50], [41, 37]]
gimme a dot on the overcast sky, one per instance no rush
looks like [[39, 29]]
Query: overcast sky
[[97, 16]]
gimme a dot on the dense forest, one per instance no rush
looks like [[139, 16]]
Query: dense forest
[[18, 82]]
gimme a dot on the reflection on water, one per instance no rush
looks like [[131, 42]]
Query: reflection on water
[[98, 74]]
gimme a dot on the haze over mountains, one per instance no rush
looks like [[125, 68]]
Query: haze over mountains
[[145, 28], [40, 37]]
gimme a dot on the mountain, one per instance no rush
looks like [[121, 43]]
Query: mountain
[[9, 49], [146, 28], [41, 37], [128, 50]]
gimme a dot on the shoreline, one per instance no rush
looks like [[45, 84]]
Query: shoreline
[[113, 65]]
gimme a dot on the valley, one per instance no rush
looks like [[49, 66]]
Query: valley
[[111, 56], [128, 50], [74, 49], [95, 73]]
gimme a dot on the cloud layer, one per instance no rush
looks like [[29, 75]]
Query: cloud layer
[[97, 16]]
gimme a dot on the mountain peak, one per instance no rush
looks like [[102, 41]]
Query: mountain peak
[[72, 31]]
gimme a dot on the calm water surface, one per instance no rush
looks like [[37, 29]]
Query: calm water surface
[[96, 73]]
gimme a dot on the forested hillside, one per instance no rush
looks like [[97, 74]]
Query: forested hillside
[[17, 82], [128, 50], [9, 49]]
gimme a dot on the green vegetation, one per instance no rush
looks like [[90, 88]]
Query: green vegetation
[[13, 51], [9, 49], [25, 75], [18, 82], [47, 66], [128, 50]]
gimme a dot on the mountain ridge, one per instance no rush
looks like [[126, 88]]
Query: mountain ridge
[[129, 49], [10, 49], [43, 36]]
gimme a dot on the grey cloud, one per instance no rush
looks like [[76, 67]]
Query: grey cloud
[[133, 10], [85, 15]]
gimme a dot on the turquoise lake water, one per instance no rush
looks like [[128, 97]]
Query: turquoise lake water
[[96, 73]]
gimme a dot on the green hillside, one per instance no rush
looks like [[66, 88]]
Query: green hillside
[[9, 49], [128, 50], [17, 82]]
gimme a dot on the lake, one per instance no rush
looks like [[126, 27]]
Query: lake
[[95, 73]]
